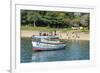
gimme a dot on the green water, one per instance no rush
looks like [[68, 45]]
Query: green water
[[75, 50]]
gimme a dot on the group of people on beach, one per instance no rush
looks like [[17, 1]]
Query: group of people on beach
[[67, 35], [72, 35], [47, 33]]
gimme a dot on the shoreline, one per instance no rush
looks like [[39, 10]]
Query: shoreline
[[62, 35]]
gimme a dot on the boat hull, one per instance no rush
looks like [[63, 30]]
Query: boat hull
[[45, 46]]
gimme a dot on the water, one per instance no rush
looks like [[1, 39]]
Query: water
[[75, 50]]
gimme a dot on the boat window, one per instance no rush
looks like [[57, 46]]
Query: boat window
[[36, 39], [53, 39]]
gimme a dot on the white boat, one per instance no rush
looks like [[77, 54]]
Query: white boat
[[40, 43]]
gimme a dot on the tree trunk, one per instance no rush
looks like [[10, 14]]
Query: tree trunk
[[34, 23], [48, 25]]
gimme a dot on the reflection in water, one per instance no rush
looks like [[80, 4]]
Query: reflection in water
[[75, 50], [48, 56]]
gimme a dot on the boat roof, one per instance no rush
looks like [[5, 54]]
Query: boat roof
[[44, 37]]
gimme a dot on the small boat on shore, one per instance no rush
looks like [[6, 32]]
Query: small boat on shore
[[50, 42]]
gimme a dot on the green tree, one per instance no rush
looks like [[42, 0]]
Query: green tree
[[23, 17], [54, 19], [33, 17], [85, 20]]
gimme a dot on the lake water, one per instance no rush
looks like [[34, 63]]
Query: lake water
[[75, 50]]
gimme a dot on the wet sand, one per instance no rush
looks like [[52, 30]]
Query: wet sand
[[66, 35]]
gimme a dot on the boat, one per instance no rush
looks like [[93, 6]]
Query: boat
[[47, 42]]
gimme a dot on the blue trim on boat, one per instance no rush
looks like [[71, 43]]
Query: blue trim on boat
[[44, 37]]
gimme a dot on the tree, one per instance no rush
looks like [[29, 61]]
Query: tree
[[67, 22], [23, 17], [54, 19], [85, 20], [33, 17]]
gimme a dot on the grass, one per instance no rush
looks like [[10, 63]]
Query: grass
[[37, 28], [48, 29]]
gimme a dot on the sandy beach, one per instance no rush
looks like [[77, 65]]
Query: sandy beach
[[66, 35]]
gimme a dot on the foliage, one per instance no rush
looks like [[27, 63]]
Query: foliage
[[54, 19]]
